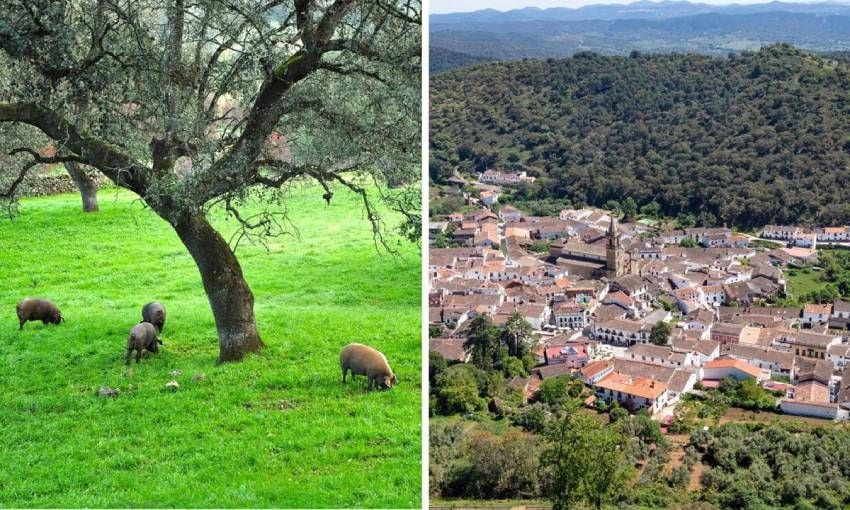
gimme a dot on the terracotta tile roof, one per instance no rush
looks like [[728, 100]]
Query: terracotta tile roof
[[751, 352], [705, 347], [553, 370], [841, 306], [817, 309], [449, 348], [654, 351], [680, 380], [812, 369], [638, 368], [595, 367], [734, 363], [727, 329], [569, 308], [622, 325], [808, 339], [618, 296], [812, 391], [637, 386], [571, 349]]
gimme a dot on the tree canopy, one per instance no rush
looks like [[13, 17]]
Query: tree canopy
[[660, 333], [746, 140]]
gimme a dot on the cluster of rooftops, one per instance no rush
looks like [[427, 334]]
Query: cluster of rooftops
[[595, 295]]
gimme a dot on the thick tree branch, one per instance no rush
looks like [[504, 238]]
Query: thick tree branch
[[37, 159], [44, 160], [365, 50], [349, 70], [122, 169], [333, 15]]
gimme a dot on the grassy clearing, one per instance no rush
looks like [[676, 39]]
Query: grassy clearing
[[278, 429], [738, 415], [803, 281]]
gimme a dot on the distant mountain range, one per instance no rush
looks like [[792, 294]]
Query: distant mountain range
[[635, 10], [649, 27]]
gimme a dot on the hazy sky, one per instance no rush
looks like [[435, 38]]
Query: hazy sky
[[443, 6]]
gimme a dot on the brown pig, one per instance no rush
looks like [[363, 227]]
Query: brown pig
[[363, 360]]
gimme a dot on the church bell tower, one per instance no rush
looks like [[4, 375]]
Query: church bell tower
[[613, 252]]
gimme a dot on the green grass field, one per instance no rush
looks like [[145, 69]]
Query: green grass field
[[278, 429], [801, 282]]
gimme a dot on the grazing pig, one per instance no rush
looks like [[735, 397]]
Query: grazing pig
[[154, 313], [363, 360], [31, 309], [142, 336]]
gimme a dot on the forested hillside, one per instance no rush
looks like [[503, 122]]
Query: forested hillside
[[750, 139], [441, 59]]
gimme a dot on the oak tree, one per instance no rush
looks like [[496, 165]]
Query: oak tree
[[212, 104]]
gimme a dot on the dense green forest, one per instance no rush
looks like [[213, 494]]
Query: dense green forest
[[441, 59], [747, 140]]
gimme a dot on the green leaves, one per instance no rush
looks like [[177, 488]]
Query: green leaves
[[585, 463], [660, 333], [685, 136]]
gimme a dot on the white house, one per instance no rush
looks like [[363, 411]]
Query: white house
[[509, 213], [714, 295], [805, 240], [570, 316], [659, 355], [722, 368], [841, 310], [838, 354], [680, 281], [814, 313], [536, 314], [682, 381], [488, 197], [777, 362], [633, 392], [780, 232], [506, 178], [833, 234], [596, 371], [621, 332], [699, 320], [702, 351]]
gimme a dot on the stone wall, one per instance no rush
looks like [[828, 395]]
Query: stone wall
[[42, 185]]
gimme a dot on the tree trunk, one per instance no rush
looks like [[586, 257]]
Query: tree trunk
[[231, 299], [86, 184]]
